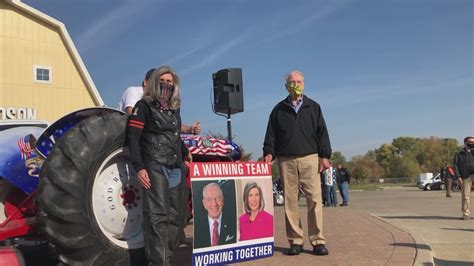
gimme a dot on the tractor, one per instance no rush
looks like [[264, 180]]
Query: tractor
[[71, 183]]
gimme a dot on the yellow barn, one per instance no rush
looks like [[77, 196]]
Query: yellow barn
[[42, 75]]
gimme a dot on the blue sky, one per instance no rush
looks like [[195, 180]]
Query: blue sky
[[380, 69]]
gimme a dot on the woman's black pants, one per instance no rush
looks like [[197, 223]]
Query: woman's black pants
[[161, 216]]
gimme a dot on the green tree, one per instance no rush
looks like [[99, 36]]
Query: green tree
[[338, 158], [364, 167], [384, 155], [407, 147], [404, 167]]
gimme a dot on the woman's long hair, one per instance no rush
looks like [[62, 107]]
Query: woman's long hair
[[153, 91], [249, 186]]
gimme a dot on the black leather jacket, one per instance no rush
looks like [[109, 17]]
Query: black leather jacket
[[154, 135]]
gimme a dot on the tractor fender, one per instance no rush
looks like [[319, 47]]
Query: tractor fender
[[19, 162], [46, 141]]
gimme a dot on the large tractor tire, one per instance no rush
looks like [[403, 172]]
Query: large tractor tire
[[89, 198]]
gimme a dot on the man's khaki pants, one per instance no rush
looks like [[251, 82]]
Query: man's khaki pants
[[466, 193], [302, 170]]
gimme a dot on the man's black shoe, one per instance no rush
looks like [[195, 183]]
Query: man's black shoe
[[295, 249], [320, 250], [344, 204]]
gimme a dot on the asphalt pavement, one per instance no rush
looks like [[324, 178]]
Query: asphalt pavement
[[394, 226]]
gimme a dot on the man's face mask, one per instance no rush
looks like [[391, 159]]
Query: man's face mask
[[294, 89]]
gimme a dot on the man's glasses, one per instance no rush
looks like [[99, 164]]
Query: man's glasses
[[212, 199]]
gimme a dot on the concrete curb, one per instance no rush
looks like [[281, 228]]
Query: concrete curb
[[424, 254]]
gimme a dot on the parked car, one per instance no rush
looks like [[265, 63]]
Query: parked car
[[425, 184], [441, 185], [437, 185]]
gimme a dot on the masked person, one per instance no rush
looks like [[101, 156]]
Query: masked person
[[134, 93], [297, 136], [157, 153], [464, 172]]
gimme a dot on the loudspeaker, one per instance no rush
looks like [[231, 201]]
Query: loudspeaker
[[228, 91]]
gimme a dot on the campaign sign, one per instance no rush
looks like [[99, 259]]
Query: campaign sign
[[233, 212]]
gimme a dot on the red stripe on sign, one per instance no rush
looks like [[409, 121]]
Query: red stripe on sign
[[229, 169]]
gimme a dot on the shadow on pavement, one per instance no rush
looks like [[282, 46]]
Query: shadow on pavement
[[412, 245], [282, 250], [422, 217], [440, 262], [459, 229]]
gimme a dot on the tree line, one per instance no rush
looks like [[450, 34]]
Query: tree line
[[404, 157]]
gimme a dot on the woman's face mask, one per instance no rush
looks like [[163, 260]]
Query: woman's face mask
[[294, 89], [166, 90]]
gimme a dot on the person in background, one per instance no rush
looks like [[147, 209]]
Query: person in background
[[330, 183], [446, 177], [452, 175], [134, 93], [332, 192], [324, 189], [464, 170], [157, 153], [255, 222], [298, 137], [343, 179]]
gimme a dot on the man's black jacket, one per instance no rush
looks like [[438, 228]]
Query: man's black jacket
[[297, 134], [343, 175], [464, 163]]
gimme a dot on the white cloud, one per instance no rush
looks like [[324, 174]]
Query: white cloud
[[218, 51], [107, 26], [293, 25]]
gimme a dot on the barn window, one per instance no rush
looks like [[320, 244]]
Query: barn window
[[42, 74]]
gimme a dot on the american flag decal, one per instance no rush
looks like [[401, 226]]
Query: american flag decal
[[25, 149], [208, 146]]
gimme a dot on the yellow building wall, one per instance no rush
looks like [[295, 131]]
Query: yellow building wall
[[25, 42]]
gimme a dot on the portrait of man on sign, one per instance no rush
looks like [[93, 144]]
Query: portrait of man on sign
[[214, 213]]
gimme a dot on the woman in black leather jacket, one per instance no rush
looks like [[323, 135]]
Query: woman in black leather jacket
[[157, 154]]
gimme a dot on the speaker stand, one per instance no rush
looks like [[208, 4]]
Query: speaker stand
[[229, 127]]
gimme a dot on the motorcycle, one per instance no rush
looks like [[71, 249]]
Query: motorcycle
[[278, 198]]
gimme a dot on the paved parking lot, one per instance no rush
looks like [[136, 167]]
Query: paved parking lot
[[429, 217], [396, 226]]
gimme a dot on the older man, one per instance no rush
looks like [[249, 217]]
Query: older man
[[298, 137], [217, 227]]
